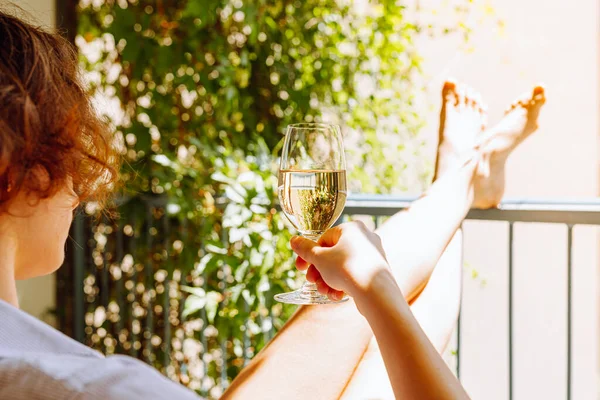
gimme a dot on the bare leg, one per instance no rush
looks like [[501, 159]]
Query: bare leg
[[280, 370], [437, 306], [290, 367]]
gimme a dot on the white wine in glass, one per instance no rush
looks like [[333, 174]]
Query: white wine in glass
[[312, 200], [312, 190]]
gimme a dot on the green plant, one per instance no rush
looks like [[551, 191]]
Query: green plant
[[199, 93]]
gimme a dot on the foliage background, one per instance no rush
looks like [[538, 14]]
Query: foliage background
[[199, 93]]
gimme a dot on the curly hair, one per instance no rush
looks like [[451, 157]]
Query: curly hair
[[47, 121]]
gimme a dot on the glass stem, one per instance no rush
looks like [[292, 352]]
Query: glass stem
[[308, 289]]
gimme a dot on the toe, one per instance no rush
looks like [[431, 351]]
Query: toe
[[524, 97], [449, 88], [470, 96], [521, 102], [533, 105], [449, 95], [515, 104], [484, 120], [483, 108], [529, 99], [539, 90], [539, 94]]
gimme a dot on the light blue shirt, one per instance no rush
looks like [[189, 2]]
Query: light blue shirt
[[39, 362]]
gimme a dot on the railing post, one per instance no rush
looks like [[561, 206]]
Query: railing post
[[510, 308], [133, 291], [569, 306], [104, 297], [167, 291], [224, 377], [458, 324], [120, 284], [147, 280]]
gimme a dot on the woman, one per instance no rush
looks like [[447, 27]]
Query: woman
[[55, 152]]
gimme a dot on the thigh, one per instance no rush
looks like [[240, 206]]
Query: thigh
[[370, 379]]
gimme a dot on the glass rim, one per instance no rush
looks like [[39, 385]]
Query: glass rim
[[312, 125]]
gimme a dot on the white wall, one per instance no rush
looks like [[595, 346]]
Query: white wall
[[37, 296], [545, 41]]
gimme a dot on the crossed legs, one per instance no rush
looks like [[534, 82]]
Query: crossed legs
[[327, 352]]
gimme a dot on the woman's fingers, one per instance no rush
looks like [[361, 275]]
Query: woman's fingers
[[312, 274], [301, 264], [307, 249], [335, 295], [322, 287], [331, 236]]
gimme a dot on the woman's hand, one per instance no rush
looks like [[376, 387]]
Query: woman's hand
[[346, 259]]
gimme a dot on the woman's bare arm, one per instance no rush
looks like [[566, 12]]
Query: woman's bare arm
[[350, 258], [416, 370]]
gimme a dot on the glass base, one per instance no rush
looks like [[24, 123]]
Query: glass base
[[307, 295]]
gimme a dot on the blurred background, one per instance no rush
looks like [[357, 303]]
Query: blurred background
[[199, 93]]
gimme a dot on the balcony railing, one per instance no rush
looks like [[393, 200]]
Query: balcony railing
[[566, 212]]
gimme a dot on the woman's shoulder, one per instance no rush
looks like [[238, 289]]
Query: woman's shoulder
[[22, 333]]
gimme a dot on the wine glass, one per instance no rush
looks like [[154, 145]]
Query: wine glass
[[312, 190]]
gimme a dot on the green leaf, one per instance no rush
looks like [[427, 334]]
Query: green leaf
[[221, 177], [241, 271], [163, 160], [216, 248], [192, 305], [234, 195], [235, 292], [198, 292], [212, 304], [208, 263], [248, 297]]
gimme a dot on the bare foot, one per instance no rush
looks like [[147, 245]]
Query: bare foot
[[462, 119], [497, 143]]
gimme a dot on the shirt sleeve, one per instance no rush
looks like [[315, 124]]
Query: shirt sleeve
[[68, 377]]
